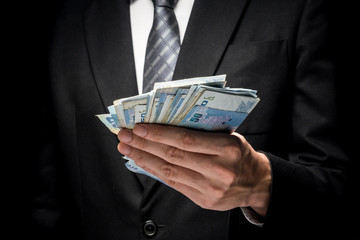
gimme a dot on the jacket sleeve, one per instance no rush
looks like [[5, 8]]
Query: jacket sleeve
[[307, 188], [309, 184]]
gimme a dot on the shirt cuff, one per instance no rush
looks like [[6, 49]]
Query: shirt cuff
[[252, 216]]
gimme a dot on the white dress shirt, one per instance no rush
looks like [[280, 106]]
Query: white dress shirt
[[141, 17]]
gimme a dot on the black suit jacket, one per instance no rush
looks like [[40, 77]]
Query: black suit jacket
[[278, 47]]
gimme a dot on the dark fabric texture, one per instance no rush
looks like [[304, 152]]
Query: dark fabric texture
[[284, 49]]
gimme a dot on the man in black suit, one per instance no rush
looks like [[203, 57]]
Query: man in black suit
[[282, 172]]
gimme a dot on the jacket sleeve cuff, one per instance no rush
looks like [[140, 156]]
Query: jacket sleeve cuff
[[252, 216]]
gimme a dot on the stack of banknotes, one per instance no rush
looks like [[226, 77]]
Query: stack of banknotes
[[200, 103]]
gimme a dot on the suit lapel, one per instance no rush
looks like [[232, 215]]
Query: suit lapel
[[108, 36], [208, 34]]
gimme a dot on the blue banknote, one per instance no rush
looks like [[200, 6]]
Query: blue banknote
[[211, 119], [162, 99], [133, 167], [200, 103], [113, 115], [129, 116], [109, 122]]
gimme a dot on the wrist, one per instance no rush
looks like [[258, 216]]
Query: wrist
[[260, 192]]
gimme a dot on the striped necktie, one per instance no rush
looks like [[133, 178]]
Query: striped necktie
[[163, 45]]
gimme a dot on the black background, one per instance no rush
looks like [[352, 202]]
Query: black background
[[28, 30]]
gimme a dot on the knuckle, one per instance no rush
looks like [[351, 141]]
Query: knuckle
[[137, 155], [207, 204], [203, 203], [207, 166], [230, 177], [187, 139], [233, 148], [171, 183], [142, 143], [168, 171], [174, 154], [156, 133], [226, 176], [216, 193]]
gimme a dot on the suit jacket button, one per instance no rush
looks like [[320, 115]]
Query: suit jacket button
[[150, 228]]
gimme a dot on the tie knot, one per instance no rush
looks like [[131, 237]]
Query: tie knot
[[165, 3]]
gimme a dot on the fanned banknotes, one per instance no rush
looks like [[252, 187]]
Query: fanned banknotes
[[202, 103]]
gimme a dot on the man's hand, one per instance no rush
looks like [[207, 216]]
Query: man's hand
[[216, 171]]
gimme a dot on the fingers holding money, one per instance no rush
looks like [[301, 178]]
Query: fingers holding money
[[182, 138], [150, 156], [216, 171], [136, 147], [202, 186]]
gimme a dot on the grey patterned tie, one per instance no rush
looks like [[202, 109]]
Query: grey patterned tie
[[163, 45]]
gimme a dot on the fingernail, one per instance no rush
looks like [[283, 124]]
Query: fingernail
[[140, 130], [125, 135]]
